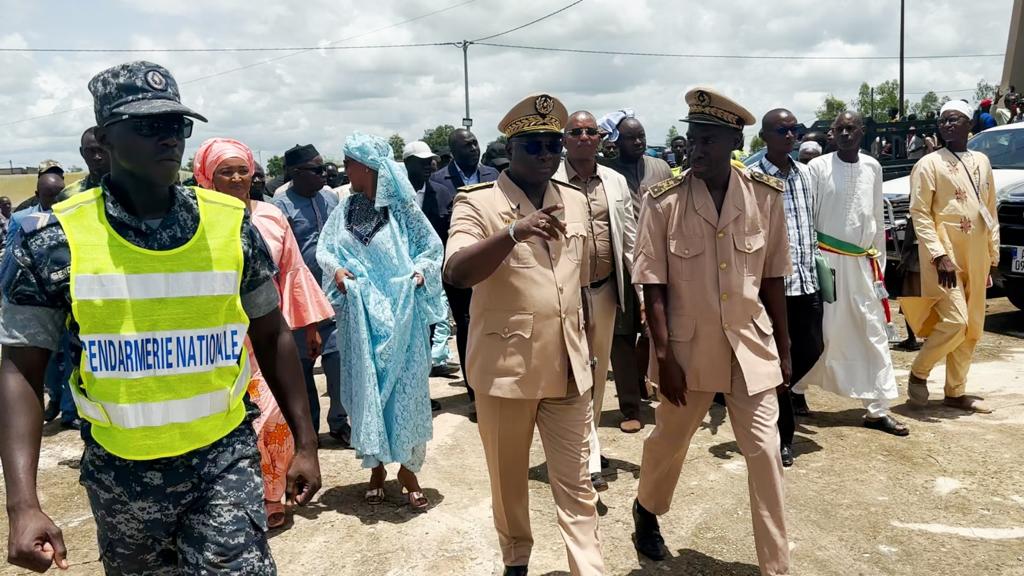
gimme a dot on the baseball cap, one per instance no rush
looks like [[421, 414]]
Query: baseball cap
[[137, 88], [419, 149], [50, 166]]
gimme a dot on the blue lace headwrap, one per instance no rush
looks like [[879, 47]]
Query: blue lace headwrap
[[375, 153]]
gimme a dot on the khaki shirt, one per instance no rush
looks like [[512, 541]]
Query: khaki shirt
[[713, 265], [602, 256], [526, 328]]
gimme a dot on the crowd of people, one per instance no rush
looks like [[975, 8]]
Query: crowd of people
[[178, 326]]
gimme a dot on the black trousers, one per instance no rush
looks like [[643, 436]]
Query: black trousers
[[458, 301], [805, 314]]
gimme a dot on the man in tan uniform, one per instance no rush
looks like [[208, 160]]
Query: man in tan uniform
[[521, 244], [611, 230], [712, 254], [953, 207]]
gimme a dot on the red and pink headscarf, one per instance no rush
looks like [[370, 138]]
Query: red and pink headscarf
[[213, 152]]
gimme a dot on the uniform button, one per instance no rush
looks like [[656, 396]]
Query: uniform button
[[725, 297], [721, 234], [505, 332], [686, 252], [562, 316], [723, 265], [725, 326], [748, 244], [559, 288]]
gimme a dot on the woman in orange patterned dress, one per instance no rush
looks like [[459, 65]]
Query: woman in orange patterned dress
[[226, 166]]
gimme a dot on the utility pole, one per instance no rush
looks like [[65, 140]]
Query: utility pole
[[902, 28], [467, 121]]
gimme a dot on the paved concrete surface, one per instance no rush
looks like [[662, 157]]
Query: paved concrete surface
[[949, 499]]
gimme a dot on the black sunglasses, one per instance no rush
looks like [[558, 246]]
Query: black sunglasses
[[318, 170], [534, 147], [577, 132], [164, 127], [782, 131]]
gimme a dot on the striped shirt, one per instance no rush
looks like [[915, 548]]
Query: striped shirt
[[799, 208]]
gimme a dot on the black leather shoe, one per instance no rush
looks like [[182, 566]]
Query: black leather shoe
[[444, 370], [343, 435], [515, 570], [787, 456], [600, 484], [51, 412], [74, 424], [648, 540]]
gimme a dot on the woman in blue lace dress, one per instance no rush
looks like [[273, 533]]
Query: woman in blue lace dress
[[382, 269]]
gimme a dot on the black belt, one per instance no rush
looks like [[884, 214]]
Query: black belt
[[600, 282]]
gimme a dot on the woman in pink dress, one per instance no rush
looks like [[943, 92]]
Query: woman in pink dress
[[226, 166]]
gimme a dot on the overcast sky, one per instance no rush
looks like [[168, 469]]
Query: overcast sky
[[321, 96]]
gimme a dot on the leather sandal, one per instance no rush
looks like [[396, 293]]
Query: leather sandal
[[375, 495], [631, 426], [275, 514], [887, 424], [417, 501], [967, 403]]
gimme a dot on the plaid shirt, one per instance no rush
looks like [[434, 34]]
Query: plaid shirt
[[803, 241]]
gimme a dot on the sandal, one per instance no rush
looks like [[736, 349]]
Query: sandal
[[887, 424], [275, 514], [417, 501], [631, 426], [375, 495]]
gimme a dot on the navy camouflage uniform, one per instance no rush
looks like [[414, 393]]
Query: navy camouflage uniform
[[198, 513]]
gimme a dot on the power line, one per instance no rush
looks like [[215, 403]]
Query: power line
[[215, 50], [262, 62], [530, 23], [730, 56]]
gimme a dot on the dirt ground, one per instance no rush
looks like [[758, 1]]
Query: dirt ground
[[948, 500]]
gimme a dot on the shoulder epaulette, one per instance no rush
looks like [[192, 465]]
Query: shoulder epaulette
[[563, 183], [772, 181], [479, 186], [37, 221], [665, 185]]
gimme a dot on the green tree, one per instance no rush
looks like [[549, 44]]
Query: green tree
[[275, 166], [756, 143], [190, 164], [984, 90], [876, 103], [437, 138], [929, 103], [672, 133], [830, 108], [397, 143]]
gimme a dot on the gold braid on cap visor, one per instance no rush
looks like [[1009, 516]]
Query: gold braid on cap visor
[[533, 123], [716, 115]]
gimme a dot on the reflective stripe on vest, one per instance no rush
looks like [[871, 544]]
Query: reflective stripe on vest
[[164, 367]]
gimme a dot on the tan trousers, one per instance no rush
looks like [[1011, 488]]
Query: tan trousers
[[753, 421], [604, 301], [961, 311], [506, 428]]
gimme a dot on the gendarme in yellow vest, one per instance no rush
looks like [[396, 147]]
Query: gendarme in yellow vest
[[164, 366]]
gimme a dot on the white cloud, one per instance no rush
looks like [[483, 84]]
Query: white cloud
[[320, 96]]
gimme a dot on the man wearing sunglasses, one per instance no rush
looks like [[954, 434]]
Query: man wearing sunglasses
[[307, 201], [159, 285], [712, 254], [611, 229], [521, 244], [781, 132]]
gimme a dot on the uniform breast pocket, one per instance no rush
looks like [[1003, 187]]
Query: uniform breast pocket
[[522, 255], [507, 348], [750, 247], [575, 236], [686, 259]]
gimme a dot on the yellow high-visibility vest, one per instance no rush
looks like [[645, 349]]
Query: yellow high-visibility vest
[[164, 366]]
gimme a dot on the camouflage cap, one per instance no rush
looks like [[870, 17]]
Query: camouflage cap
[[50, 166], [136, 89]]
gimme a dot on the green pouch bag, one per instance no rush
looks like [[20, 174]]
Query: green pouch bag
[[826, 279]]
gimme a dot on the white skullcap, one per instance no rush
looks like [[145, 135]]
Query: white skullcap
[[957, 105], [810, 146]]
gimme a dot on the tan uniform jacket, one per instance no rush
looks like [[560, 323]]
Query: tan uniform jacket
[[526, 325], [713, 266]]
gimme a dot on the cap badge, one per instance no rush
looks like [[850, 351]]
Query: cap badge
[[156, 80], [544, 104], [702, 98]]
